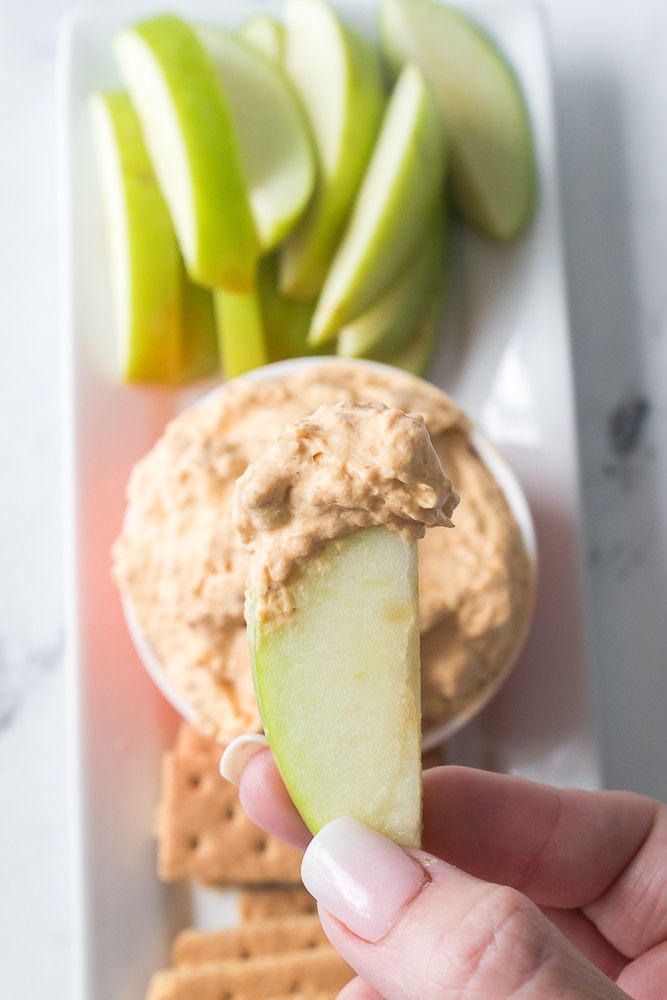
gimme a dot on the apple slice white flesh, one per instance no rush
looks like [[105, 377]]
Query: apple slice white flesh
[[493, 171], [338, 685], [165, 330], [193, 145], [337, 75], [389, 322], [400, 189], [266, 35], [274, 140]]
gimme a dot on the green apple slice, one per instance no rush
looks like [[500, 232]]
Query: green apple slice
[[286, 321], [493, 171], [241, 335], [192, 141], [416, 355], [400, 189], [338, 685], [165, 331], [338, 78], [389, 322], [199, 336], [144, 257], [266, 35], [273, 136], [264, 325]]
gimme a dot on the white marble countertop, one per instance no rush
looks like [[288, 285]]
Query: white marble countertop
[[611, 92]]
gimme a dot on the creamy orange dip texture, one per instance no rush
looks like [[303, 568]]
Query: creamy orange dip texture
[[181, 561], [346, 466]]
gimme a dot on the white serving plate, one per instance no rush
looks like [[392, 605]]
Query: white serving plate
[[506, 359]]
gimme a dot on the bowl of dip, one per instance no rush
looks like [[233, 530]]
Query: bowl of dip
[[181, 568]]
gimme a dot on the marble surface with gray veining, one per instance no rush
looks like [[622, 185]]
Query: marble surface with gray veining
[[611, 91]]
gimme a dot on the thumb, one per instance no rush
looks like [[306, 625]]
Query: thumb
[[415, 928]]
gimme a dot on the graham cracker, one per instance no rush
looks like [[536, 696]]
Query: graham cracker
[[295, 974], [189, 740], [202, 830], [265, 904], [261, 937]]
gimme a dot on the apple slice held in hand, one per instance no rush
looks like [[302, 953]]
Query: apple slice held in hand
[[165, 324], [339, 688], [337, 75], [493, 171], [402, 185], [192, 141], [330, 517]]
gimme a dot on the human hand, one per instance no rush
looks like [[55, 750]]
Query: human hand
[[521, 891]]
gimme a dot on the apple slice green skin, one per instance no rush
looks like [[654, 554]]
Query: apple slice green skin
[[338, 685], [338, 77], [241, 337], [144, 256], [262, 326], [274, 139], [399, 192], [165, 324], [386, 326], [417, 354], [286, 321], [493, 170], [199, 335], [266, 35], [192, 142], [279, 167]]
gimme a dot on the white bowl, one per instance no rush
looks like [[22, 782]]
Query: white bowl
[[518, 505], [516, 500]]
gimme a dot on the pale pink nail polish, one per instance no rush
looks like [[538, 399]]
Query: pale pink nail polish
[[361, 877]]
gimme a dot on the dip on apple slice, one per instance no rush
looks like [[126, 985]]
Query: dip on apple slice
[[330, 517]]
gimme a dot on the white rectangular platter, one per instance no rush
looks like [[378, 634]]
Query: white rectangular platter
[[506, 358]]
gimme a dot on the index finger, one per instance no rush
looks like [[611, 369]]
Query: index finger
[[266, 802]]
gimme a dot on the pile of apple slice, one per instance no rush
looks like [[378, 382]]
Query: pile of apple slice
[[269, 195]]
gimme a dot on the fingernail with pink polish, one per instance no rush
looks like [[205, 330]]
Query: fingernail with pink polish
[[360, 877]]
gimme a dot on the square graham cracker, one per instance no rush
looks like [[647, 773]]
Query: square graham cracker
[[202, 831]]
